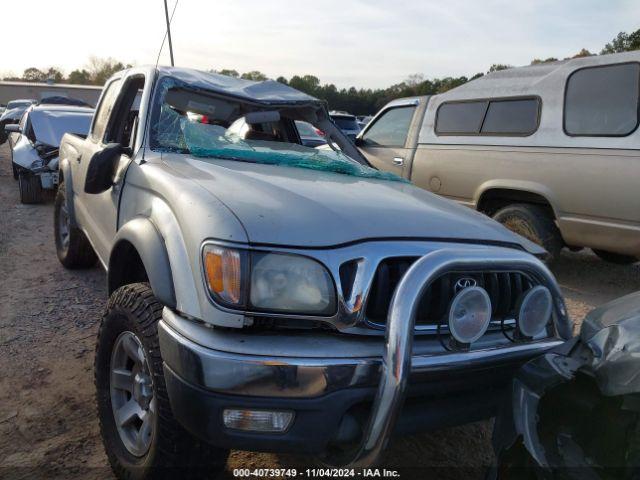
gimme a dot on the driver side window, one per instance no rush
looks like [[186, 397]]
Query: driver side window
[[103, 113], [391, 129]]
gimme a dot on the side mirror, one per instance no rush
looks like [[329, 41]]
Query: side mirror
[[12, 128], [359, 142], [101, 169]]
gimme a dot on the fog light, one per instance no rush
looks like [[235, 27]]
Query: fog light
[[469, 314], [257, 420], [535, 311]]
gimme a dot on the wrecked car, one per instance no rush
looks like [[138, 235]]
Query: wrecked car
[[268, 296], [574, 412], [12, 114], [34, 150]]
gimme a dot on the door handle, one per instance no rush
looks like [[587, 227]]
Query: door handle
[[398, 161]]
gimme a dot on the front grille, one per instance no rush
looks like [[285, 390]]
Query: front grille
[[504, 289]]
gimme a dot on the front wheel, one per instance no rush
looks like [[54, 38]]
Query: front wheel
[[141, 437], [72, 247], [617, 258]]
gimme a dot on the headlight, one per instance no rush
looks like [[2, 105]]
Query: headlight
[[534, 311], [290, 283], [469, 314], [268, 282]]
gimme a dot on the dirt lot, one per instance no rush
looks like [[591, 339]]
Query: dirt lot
[[48, 321]]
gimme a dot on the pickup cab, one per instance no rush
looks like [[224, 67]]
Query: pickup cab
[[268, 296], [551, 151]]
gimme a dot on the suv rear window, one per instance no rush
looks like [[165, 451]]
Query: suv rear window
[[460, 117], [602, 101], [502, 117], [518, 117]]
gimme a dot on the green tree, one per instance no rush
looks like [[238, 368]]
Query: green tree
[[537, 61], [54, 74], [79, 77], [496, 67], [33, 74], [228, 72], [254, 75], [583, 53], [624, 42], [100, 69]]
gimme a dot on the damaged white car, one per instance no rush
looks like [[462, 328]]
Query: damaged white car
[[35, 142], [574, 412]]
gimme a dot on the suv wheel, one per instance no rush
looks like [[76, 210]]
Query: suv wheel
[[72, 247], [533, 223], [617, 258], [29, 187], [141, 437]]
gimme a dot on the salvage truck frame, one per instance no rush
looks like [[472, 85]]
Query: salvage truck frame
[[197, 198]]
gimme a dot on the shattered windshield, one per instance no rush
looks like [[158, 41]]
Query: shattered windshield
[[216, 127]]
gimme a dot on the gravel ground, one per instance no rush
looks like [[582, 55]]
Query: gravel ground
[[48, 322]]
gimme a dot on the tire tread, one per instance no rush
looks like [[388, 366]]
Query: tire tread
[[178, 453]]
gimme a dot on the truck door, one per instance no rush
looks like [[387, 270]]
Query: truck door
[[116, 122], [385, 141], [79, 159]]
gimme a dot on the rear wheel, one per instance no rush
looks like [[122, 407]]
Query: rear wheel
[[29, 187], [141, 437], [72, 247], [617, 258], [533, 223]]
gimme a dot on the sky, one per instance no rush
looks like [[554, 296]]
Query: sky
[[358, 43]]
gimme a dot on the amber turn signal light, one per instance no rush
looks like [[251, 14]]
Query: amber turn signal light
[[223, 271]]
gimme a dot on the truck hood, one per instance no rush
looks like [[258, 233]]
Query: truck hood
[[290, 206]]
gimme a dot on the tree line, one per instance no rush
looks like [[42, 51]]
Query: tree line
[[362, 101], [96, 72]]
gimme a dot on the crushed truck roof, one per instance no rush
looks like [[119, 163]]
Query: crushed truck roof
[[268, 91]]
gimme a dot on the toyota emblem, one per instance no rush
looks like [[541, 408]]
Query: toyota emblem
[[465, 282]]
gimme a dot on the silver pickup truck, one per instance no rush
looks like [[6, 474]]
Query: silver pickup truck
[[269, 296]]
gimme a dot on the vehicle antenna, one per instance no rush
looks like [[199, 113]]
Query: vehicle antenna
[[167, 32]]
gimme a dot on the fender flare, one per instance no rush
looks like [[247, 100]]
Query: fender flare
[[519, 186], [145, 238], [65, 168]]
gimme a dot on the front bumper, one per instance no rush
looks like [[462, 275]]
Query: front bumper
[[342, 388], [331, 397]]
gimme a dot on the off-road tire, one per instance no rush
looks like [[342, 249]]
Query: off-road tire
[[617, 258], [30, 188], [77, 252], [173, 452], [534, 223]]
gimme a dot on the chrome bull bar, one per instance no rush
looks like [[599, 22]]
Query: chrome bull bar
[[396, 361]]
